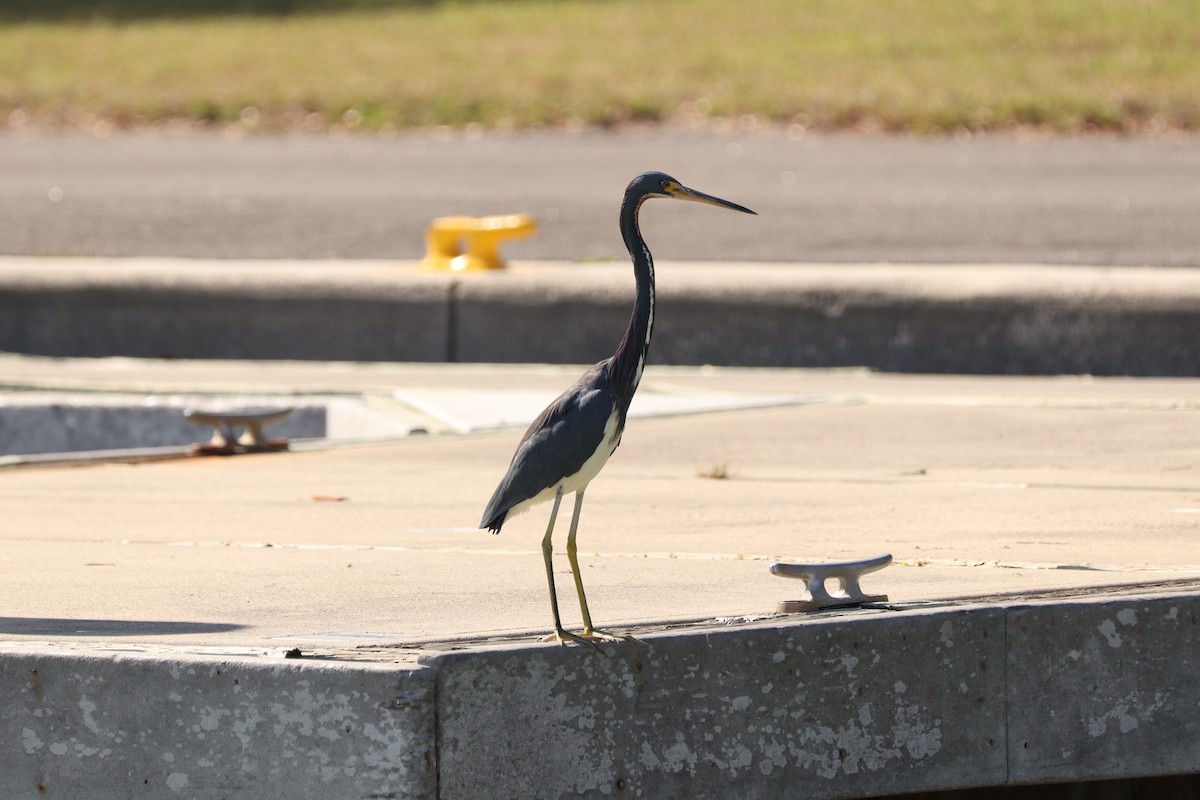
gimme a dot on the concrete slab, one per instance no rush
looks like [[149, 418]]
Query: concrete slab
[[976, 486], [1001, 498]]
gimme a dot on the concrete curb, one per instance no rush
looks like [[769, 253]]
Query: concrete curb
[[831, 706], [992, 319]]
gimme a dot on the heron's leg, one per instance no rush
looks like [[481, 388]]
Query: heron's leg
[[589, 632], [560, 635], [572, 556], [547, 552]]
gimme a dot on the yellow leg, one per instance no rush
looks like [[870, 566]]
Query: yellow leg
[[547, 552], [589, 632], [560, 635], [574, 559]]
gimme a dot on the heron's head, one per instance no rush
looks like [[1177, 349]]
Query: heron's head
[[659, 184]]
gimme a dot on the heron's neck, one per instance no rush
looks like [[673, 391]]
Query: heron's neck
[[630, 357]]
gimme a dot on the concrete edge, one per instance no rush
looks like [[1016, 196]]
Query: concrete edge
[[848, 705]]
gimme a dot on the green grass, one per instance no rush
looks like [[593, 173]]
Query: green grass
[[908, 65]]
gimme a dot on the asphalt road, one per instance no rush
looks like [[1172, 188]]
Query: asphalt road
[[1100, 200]]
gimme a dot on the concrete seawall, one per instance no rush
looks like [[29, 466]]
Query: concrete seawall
[[831, 705]]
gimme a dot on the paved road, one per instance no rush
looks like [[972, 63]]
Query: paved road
[[821, 198]]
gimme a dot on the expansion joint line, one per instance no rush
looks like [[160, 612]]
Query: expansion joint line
[[435, 757], [453, 298], [1008, 745]]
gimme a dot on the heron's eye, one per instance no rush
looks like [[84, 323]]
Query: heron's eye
[[666, 185]]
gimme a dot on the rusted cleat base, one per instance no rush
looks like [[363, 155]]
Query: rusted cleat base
[[210, 449], [226, 443], [795, 606]]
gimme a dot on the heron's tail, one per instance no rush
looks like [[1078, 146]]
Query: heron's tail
[[494, 522]]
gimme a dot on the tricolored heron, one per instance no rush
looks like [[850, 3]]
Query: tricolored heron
[[569, 442]]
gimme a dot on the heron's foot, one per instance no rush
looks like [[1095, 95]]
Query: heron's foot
[[597, 635], [562, 636]]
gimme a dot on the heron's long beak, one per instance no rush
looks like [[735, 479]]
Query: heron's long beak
[[684, 193]]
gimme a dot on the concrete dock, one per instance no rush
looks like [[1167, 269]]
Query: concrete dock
[[329, 622]]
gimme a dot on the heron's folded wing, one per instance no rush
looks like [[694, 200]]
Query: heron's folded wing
[[556, 446]]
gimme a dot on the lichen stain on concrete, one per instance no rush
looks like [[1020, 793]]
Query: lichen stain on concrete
[[1127, 616], [773, 756], [679, 756], [910, 732], [297, 712], [649, 758], [210, 718], [1128, 714], [946, 634], [89, 714], [825, 750], [848, 663], [30, 740], [245, 724], [848, 749], [1108, 629]]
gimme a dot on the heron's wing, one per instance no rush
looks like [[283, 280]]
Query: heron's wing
[[556, 446]]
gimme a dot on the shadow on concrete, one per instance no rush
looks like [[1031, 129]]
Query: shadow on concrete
[[49, 626]]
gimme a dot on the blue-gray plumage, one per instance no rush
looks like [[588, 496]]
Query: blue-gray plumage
[[558, 443], [570, 441]]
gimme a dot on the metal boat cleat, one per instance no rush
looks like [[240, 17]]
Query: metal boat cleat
[[446, 236], [846, 573], [225, 442]]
